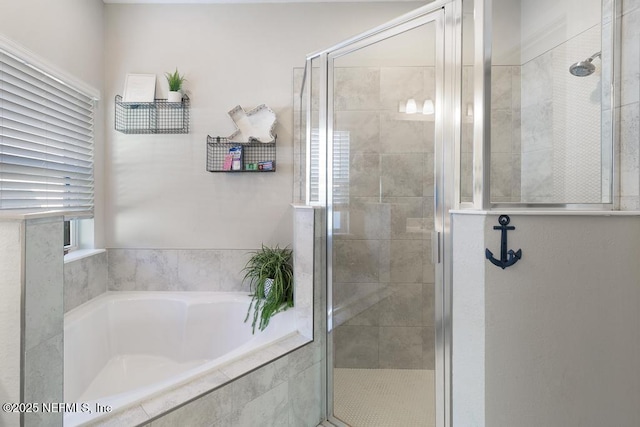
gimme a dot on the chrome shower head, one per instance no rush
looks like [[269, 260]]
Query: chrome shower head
[[584, 68]]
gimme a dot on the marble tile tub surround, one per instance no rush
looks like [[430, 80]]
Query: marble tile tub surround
[[304, 240], [195, 270], [11, 278], [176, 269], [208, 269], [278, 386], [84, 279], [281, 385], [31, 359], [43, 317]]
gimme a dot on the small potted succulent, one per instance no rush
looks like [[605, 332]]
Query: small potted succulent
[[269, 272], [175, 81]]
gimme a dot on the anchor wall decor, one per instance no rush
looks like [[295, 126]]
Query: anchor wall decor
[[507, 257]]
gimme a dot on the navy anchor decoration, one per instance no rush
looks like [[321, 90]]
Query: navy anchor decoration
[[507, 257]]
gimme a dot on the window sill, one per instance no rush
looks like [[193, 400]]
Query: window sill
[[81, 253]]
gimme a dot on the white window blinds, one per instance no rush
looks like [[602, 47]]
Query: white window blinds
[[340, 167], [46, 141], [314, 166]]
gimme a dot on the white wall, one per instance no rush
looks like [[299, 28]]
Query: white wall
[[468, 356], [524, 29], [158, 192], [547, 23], [506, 32], [560, 333], [69, 35]]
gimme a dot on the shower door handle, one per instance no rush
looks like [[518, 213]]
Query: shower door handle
[[435, 247]]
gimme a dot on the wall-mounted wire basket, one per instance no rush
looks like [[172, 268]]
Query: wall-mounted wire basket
[[256, 156], [159, 116]]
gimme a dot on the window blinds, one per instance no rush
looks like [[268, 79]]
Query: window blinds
[[314, 166], [46, 141], [340, 167]]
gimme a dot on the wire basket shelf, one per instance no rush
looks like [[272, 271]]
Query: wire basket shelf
[[155, 117], [254, 157]]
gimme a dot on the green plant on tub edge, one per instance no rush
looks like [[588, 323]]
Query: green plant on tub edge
[[269, 298]]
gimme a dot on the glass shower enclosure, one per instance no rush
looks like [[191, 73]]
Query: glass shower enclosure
[[374, 113], [460, 104]]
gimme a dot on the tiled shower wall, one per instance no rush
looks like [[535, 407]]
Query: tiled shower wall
[[383, 278], [561, 144], [543, 146], [508, 136], [539, 136], [629, 106], [544, 175], [505, 134]]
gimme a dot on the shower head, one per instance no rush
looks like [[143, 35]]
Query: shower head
[[584, 68]]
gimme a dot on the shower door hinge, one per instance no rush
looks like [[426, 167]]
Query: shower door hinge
[[435, 247]]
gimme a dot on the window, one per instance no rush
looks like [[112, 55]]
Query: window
[[70, 235], [314, 166], [340, 167], [46, 141], [67, 234], [341, 151]]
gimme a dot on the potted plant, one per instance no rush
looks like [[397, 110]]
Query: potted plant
[[175, 81], [270, 275]]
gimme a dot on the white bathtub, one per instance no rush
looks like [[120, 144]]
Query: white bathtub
[[124, 346]]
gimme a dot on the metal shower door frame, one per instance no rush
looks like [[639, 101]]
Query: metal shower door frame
[[447, 16]]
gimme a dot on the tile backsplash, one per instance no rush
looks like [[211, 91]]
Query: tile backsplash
[[153, 270], [176, 269]]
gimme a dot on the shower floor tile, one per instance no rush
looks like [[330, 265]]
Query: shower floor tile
[[384, 397]]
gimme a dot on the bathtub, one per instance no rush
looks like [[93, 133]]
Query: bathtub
[[122, 347]]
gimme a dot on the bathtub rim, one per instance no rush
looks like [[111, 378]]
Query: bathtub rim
[[161, 404], [172, 398], [192, 296]]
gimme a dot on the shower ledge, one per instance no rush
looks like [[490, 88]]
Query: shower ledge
[[543, 212]]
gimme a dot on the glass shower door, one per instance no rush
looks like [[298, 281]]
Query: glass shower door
[[383, 131]]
